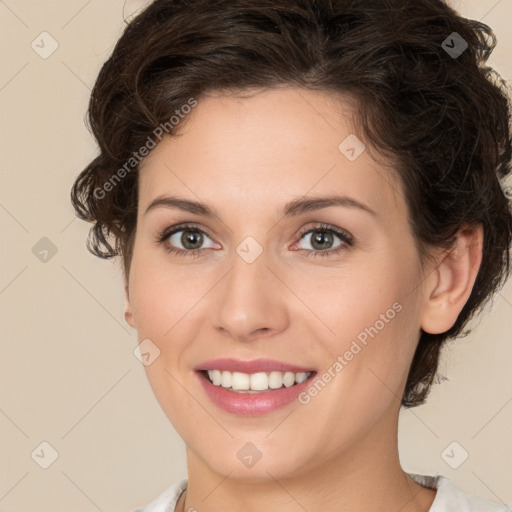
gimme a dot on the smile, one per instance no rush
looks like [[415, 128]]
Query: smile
[[253, 402], [255, 382]]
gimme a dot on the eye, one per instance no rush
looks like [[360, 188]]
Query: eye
[[322, 240], [190, 237]]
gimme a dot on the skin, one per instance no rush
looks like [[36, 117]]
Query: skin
[[247, 157]]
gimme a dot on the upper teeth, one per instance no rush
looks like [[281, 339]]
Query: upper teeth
[[256, 381]]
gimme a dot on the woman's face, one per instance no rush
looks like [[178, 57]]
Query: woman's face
[[269, 283]]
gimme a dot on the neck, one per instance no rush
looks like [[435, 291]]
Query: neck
[[366, 476]]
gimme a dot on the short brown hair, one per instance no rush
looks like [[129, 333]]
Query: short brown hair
[[442, 115]]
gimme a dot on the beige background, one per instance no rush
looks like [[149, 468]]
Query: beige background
[[68, 373]]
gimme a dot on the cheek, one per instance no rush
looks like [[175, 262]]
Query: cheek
[[162, 301], [373, 319], [160, 294]]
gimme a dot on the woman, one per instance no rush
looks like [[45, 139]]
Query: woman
[[308, 199]]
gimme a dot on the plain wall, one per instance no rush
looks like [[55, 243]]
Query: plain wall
[[68, 373]]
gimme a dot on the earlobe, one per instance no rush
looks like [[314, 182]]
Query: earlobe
[[451, 281], [128, 314]]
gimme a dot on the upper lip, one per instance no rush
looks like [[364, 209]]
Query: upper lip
[[253, 366]]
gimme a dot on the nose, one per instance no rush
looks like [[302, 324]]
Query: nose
[[250, 301]]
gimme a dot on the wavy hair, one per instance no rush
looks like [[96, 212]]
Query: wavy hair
[[424, 99]]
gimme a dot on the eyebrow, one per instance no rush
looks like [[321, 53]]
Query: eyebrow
[[291, 209]]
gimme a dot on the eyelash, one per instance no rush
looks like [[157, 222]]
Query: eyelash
[[346, 239]]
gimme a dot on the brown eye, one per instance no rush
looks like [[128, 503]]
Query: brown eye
[[188, 239], [191, 239], [323, 238]]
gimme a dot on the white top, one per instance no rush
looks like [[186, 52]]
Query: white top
[[448, 497]]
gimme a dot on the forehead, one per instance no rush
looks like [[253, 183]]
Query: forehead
[[265, 148]]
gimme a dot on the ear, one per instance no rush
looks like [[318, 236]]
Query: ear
[[450, 283], [128, 314]]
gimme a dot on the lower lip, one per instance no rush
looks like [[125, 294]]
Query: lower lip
[[252, 404]]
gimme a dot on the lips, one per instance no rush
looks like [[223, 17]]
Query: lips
[[248, 402], [253, 366], [252, 403]]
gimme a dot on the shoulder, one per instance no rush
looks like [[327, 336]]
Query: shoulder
[[167, 500], [450, 498]]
